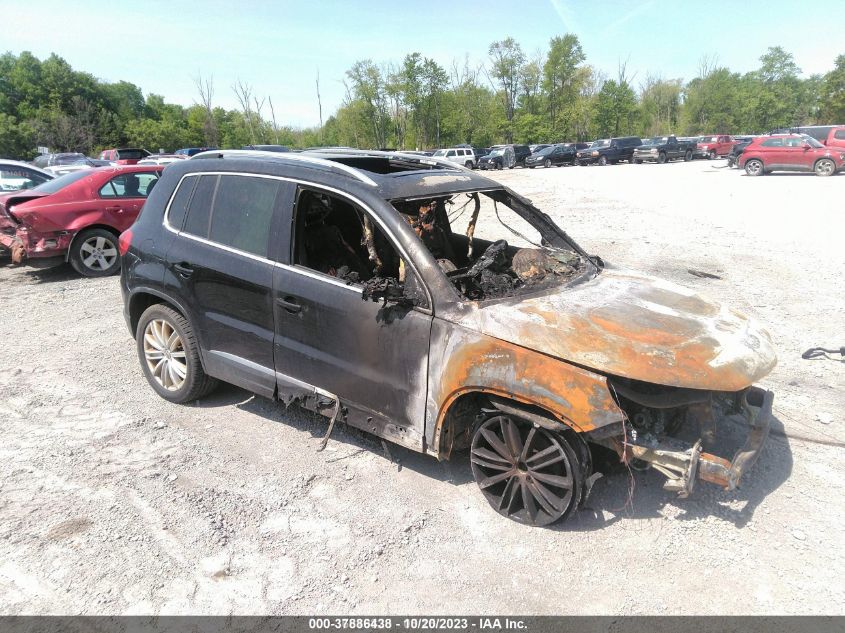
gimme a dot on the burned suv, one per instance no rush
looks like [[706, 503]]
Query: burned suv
[[437, 309]]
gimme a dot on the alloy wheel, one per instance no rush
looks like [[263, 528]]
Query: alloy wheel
[[165, 355], [825, 167], [526, 473], [98, 253]]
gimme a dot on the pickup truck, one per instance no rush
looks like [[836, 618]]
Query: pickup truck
[[713, 145], [664, 148]]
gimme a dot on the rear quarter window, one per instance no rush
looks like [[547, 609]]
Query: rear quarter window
[[179, 203], [839, 134], [199, 209]]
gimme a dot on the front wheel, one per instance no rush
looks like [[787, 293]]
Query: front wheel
[[94, 253], [527, 473], [754, 167], [661, 157], [637, 161], [169, 355], [711, 155], [603, 161], [825, 167], [547, 163]]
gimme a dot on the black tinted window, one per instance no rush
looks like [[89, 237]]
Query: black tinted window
[[179, 204], [57, 184], [199, 212], [243, 211]]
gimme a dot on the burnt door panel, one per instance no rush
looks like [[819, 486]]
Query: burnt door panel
[[373, 357]]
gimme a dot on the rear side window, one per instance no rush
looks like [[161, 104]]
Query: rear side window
[[179, 204], [839, 134], [199, 210], [243, 212], [772, 142]]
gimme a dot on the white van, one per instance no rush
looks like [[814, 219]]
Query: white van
[[462, 155]]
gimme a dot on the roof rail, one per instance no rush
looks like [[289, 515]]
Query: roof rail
[[288, 156]]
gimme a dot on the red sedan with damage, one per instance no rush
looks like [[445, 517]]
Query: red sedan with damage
[[76, 217]]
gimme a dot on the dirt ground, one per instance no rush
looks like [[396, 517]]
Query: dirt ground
[[113, 501]]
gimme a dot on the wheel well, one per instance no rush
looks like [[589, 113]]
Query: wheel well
[[143, 300], [105, 227], [464, 411]]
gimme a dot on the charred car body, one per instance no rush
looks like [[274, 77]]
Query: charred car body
[[483, 325]]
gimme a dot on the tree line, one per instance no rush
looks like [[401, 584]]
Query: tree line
[[553, 95]]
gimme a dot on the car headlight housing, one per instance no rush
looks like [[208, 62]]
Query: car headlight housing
[[653, 150], [595, 153]]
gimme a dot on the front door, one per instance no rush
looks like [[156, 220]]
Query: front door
[[373, 357]]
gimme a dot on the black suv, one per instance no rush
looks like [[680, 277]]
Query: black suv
[[519, 353], [609, 150]]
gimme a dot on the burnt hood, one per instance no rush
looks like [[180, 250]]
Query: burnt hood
[[632, 325]]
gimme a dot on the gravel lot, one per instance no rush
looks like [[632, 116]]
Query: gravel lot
[[113, 501]]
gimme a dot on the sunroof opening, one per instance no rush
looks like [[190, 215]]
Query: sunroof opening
[[387, 164]]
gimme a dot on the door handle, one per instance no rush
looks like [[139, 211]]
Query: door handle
[[289, 304], [115, 209], [184, 270]]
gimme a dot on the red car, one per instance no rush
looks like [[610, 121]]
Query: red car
[[791, 152], [712, 145], [76, 217], [836, 138], [125, 156]]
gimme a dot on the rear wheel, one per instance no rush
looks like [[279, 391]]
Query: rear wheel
[[169, 355], [94, 253], [637, 161], [688, 156], [527, 473], [468, 164], [754, 167], [824, 167]]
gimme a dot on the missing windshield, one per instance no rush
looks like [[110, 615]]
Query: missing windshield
[[490, 245]]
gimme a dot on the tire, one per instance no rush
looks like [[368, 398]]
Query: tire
[[711, 155], [160, 355], [512, 479], [824, 167], [661, 157], [637, 161], [547, 163], [602, 160], [688, 156], [94, 253], [754, 167], [468, 164]]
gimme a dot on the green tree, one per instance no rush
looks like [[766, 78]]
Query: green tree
[[833, 93], [560, 81], [507, 58]]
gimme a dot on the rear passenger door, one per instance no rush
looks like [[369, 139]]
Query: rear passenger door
[[220, 267]]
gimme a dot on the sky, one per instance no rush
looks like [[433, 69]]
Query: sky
[[278, 47]]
